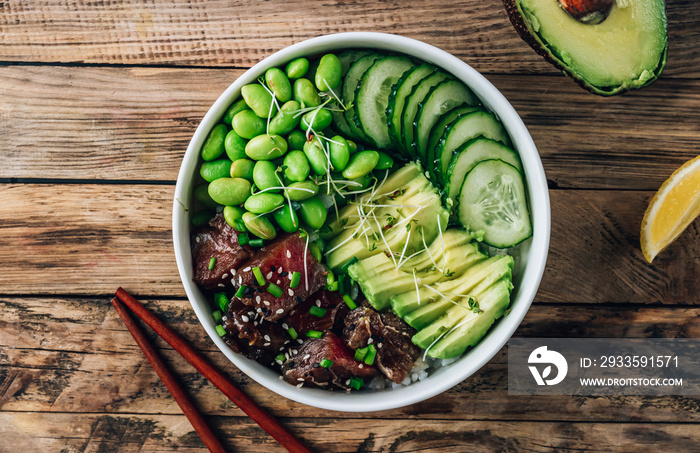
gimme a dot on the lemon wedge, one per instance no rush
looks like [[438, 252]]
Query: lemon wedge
[[673, 208]]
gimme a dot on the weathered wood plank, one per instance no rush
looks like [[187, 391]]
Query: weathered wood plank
[[70, 355], [90, 239], [139, 128], [197, 32], [150, 433]]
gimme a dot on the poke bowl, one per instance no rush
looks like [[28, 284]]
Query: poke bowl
[[398, 274]]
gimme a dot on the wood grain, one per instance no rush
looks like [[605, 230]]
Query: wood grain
[[239, 34], [150, 433], [88, 239], [74, 355], [63, 123]]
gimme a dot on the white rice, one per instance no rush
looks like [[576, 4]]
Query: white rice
[[421, 370]]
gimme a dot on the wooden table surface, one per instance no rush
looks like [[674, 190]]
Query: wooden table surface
[[98, 101]]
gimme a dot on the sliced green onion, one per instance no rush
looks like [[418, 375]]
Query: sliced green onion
[[357, 383], [352, 261], [296, 278], [220, 330], [221, 300], [256, 243], [259, 276], [343, 283], [243, 238], [280, 359], [371, 354], [360, 354], [350, 303], [314, 334], [241, 291], [292, 333], [325, 363], [211, 262], [332, 287], [317, 311], [274, 290], [217, 315], [240, 225]]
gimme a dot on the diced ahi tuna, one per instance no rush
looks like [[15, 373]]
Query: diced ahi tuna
[[332, 310], [219, 241], [396, 353], [305, 366], [277, 263]]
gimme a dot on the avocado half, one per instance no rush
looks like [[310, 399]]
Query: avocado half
[[619, 48]]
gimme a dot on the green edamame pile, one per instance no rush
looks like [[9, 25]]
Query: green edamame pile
[[277, 161]]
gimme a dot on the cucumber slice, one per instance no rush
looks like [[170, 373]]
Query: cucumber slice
[[463, 129], [441, 99], [372, 97], [470, 154], [347, 58], [349, 85], [438, 130], [492, 199], [410, 109], [397, 99]]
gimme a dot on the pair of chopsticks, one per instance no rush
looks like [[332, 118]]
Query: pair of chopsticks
[[243, 401]]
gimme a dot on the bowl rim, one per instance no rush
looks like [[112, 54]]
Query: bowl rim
[[536, 248]]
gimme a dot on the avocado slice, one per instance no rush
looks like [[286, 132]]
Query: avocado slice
[[615, 46]]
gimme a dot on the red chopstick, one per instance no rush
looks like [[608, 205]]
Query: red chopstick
[[190, 411], [243, 401]]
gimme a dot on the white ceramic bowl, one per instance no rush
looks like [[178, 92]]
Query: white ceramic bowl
[[528, 270]]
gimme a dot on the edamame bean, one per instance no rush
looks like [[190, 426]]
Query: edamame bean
[[316, 156], [266, 147], [262, 203], [242, 168], [229, 191], [259, 100], [315, 251], [234, 146], [340, 153], [299, 191], [313, 212], [278, 82], [305, 93], [364, 181], [285, 122], [296, 140], [361, 164], [202, 218], [236, 107], [265, 175], [248, 125], [319, 119], [215, 169], [231, 214], [260, 226], [296, 69], [214, 144], [296, 166], [352, 146], [328, 73], [287, 219], [201, 196], [385, 161]]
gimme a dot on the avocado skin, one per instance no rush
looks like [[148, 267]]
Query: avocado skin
[[519, 24]]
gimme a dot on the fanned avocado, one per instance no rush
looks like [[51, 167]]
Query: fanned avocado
[[607, 46]]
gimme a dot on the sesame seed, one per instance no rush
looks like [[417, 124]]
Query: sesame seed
[[295, 352], [257, 299], [318, 303], [280, 311], [233, 282], [268, 276], [289, 254], [247, 269], [286, 342], [360, 366], [307, 356], [224, 276], [266, 302], [300, 385], [300, 341], [221, 285], [279, 281], [370, 341], [282, 348], [285, 326], [255, 323], [245, 318], [251, 313], [233, 271], [279, 271], [379, 345], [197, 239], [290, 292], [267, 337], [266, 344]]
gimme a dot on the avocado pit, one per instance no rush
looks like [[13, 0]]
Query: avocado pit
[[587, 11]]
